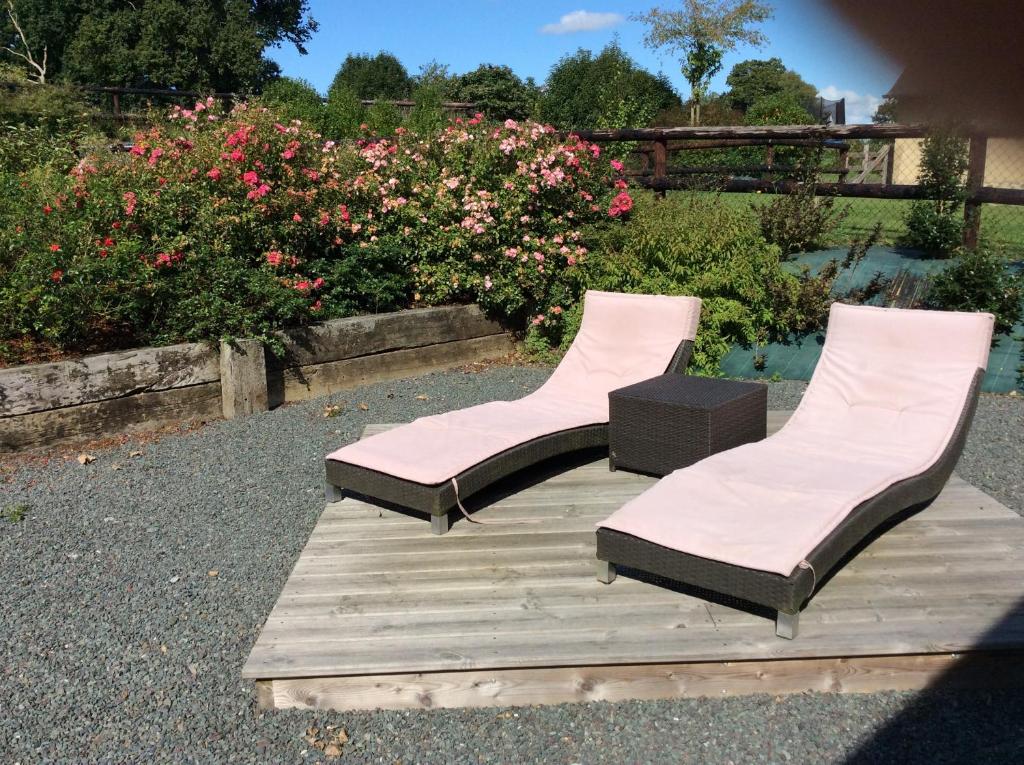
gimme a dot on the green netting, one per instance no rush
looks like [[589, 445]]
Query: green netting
[[796, 359]]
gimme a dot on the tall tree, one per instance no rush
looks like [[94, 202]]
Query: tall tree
[[588, 91], [374, 77], [701, 32], [754, 80], [497, 91], [188, 44]]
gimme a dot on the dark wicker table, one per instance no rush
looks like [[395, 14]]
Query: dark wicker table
[[671, 421]]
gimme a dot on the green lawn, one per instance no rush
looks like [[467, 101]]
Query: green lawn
[[1001, 225]]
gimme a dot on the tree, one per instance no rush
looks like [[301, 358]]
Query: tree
[[187, 44], [587, 91], [498, 92], [887, 112], [437, 78], [701, 32], [374, 77], [753, 80], [778, 109]]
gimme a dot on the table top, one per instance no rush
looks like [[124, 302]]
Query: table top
[[697, 392]]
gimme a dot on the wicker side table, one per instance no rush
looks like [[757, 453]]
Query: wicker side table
[[671, 421]]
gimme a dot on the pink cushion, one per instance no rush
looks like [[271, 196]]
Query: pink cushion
[[881, 407], [623, 339]]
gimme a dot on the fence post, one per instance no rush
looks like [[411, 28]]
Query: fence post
[[975, 180], [243, 378], [769, 162], [844, 163], [660, 162], [890, 162], [117, 104]]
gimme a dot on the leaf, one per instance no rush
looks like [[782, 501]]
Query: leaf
[[422, 397], [85, 459], [213, 572], [363, 405]]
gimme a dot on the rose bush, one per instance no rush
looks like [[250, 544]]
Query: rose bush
[[217, 225]]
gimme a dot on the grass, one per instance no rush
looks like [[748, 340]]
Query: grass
[[14, 513], [1001, 225]]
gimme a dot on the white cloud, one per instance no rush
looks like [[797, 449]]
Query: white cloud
[[859, 108], [583, 21]]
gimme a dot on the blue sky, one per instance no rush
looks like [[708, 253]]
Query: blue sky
[[530, 36]]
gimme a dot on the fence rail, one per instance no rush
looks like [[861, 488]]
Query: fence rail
[[877, 158]]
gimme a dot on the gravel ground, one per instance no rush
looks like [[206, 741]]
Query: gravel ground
[[134, 587]]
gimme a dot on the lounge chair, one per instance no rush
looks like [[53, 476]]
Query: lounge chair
[[875, 438], [432, 463]]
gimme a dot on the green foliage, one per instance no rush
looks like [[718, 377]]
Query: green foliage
[[15, 513], [383, 118], [436, 77], [801, 221], [778, 109], [297, 99], [980, 280], [190, 44], [247, 223], [935, 224], [25, 102], [374, 77], [427, 115], [700, 33], [754, 80], [698, 246], [497, 92], [610, 90], [343, 113]]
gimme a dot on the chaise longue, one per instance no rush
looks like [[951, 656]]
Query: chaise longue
[[430, 464], [877, 434]]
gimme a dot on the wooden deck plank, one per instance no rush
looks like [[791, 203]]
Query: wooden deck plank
[[380, 613]]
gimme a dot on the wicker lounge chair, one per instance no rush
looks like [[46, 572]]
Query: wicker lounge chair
[[432, 463], [874, 440]]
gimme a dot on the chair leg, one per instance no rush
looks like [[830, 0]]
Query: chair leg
[[787, 625], [332, 493], [606, 572], [439, 523]]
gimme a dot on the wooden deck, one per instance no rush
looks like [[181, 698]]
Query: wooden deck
[[379, 613]]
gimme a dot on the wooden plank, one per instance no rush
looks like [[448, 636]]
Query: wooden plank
[[320, 379], [141, 412], [41, 387], [559, 685], [374, 596], [366, 335], [243, 378]]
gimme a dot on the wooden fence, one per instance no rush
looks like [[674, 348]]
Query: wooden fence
[[404, 106], [656, 145]]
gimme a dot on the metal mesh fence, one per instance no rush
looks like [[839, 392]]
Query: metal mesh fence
[[876, 178]]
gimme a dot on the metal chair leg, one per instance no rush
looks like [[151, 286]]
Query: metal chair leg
[[787, 625], [439, 523], [332, 493], [606, 572]]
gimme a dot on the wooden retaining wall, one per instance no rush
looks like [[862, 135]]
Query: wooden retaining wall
[[145, 388]]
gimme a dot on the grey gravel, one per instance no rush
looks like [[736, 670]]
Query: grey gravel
[[135, 586]]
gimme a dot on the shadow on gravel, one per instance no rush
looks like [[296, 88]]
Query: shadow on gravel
[[972, 713]]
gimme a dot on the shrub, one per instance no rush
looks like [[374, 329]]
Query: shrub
[[800, 221], [219, 225], [979, 280], [295, 99], [343, 113], [935, 224], [694, 245]]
